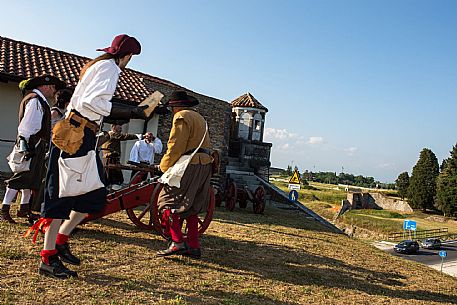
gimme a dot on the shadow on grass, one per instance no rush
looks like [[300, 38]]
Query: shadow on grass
[[271, 217], [297, 267]]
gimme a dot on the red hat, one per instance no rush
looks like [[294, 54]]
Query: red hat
[[122, 45]]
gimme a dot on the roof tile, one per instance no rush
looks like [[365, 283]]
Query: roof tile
[[20, 60]]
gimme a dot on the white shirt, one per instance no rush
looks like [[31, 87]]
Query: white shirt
[[92, 96], [33, 115], [144, 152]]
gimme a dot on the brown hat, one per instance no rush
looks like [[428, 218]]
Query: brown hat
[[123, 45], [180, 98], [42, 80]]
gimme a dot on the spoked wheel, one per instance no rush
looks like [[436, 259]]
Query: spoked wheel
[[243, 200], [161, 221], [230, 197], [218, 198], [137, 178], [140, 215], [259, 200]]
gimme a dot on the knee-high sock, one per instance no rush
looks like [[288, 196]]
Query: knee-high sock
[[176, 229], [9, 196], [51, 235], [26, 194], [192, 231], [69, 224]]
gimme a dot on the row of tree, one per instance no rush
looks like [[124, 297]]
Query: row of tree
[[342, 178], [431, 186]]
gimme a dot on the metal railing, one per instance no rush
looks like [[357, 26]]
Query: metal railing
[[418, 234]]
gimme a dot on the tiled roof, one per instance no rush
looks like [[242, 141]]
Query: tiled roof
[[20, 60], [247, 100]]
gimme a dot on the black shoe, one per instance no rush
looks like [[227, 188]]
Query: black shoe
[[194, 253], [65, 254], [174, 248], [56, 269]]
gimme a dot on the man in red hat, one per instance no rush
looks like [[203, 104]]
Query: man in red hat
[[91, 101], [189, 130], [33, 135]]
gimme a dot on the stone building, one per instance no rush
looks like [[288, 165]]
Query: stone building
[[246, 134], [21, 60]]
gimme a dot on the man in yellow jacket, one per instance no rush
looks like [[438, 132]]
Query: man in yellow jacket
[[192, 197]]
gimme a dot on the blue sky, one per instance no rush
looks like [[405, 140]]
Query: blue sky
[[363, 85]]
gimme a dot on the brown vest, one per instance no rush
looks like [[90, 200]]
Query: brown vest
[[45, 131]]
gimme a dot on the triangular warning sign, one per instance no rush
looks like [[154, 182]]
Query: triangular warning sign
[[295, 177]]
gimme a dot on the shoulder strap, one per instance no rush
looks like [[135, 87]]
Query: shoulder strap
[[201, 142]]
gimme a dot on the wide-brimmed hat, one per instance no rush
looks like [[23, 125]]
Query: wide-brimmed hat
[[180, 98], [123, 45], [46, 79]]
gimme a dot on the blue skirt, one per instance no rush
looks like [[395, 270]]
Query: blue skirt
[[91, 202]]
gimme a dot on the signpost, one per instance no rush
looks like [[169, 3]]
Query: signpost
[[443, 254], [409, 225], [294, 181], [293, 196]]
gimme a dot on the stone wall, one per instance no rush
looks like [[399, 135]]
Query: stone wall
[[377, 201], [389, 203]]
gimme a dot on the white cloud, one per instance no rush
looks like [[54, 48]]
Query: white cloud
[[281, 134], [283, 140], [351, 151], [315, 140]]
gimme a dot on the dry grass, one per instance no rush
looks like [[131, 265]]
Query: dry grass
[[276, 258]]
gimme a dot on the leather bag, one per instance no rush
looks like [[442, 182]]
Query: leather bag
[[66, 136]]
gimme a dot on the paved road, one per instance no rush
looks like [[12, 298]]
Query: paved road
[[430, 258]]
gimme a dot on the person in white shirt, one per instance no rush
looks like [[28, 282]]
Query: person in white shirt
[[91, 101], [143, 150], [34, 132]]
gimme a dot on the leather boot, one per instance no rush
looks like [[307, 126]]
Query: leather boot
[[25, 212], [65, 254], [55, 268], [173, 248], [5, 215]]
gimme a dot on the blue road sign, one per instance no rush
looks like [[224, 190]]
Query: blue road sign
[[443, 253], [293, 195], [409, 225]]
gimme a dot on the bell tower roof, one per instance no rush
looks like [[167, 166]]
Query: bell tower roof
[[248, 100]]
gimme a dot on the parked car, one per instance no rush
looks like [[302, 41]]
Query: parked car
[[431, 243], [407, 246]]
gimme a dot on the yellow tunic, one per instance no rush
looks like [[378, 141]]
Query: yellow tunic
[[186, 133]]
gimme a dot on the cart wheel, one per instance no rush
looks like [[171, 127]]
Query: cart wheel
[[218, 199], [137, 178], [259, 202], [161, 221], [230, 197], [243, 201], [140, 215]]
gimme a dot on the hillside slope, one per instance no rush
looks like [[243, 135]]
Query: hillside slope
[[276, 258]]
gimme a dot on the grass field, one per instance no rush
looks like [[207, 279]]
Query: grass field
[[326, 199], [278, 258]]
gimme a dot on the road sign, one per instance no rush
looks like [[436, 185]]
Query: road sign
[[294, 187], [443, 253], [293, 195], [409, 225], [295, 179]]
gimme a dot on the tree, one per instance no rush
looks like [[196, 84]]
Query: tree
[[422, 187], [446, 186], [402, 184], [289, 170]]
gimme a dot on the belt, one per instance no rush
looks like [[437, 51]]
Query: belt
[[200, 150], [80, 119]]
